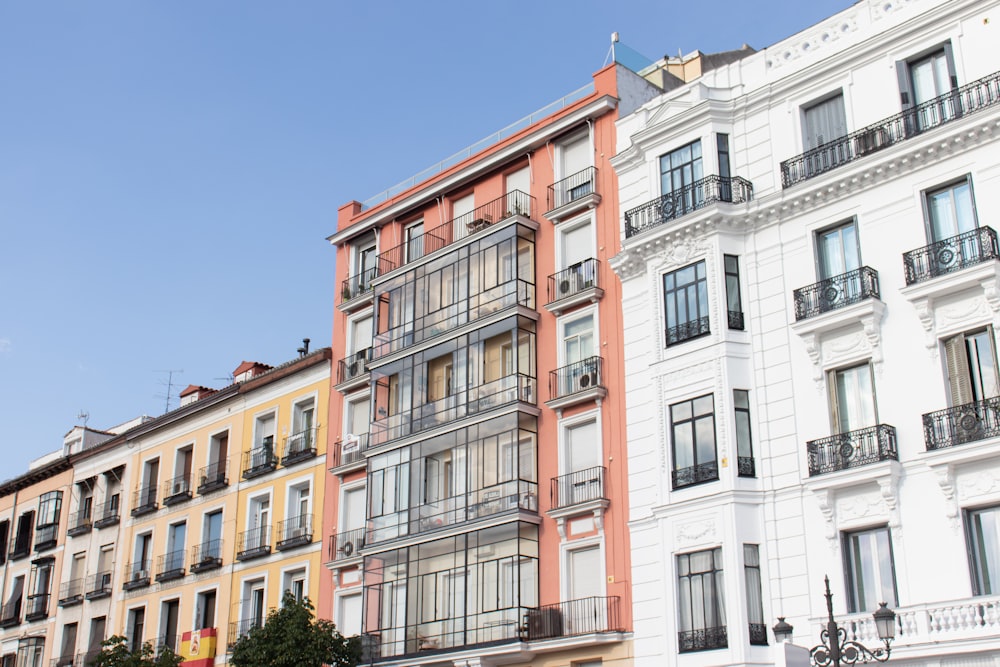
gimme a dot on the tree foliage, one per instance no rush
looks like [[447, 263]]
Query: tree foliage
[[116, 653], [292, 637]]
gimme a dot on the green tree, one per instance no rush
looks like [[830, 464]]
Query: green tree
[[293, 637], [115, 653]]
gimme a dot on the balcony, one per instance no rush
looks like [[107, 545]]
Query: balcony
[[46, 536], [213, 477], [951, 106], [950, 255], [500, 209], [80, 523], [704, 192], [65, 661], [137, 575], [10, 614], [576, 383], [706, 639], [144, 501], [99, 585], [574, 617], [206, 556], [572, 194], [580, 283], [21, 546], [299, 447], [71, 593], [177, 490], [356, 291], [962, 424], [170, 566], [109, 514], [686, 331], [345, 545], [352, 371], [240, 629], [37, 607], [836, 292], [349, 453], [164, 642], [260, 460], [693, 475], [295, 532], [582, 487], [852, 449], [254, 543]]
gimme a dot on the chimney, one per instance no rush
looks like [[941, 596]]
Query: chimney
[[304, 350]]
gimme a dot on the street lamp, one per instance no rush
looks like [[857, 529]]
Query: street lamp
[[836, 649]]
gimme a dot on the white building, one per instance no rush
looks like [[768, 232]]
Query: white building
[[808, 395]]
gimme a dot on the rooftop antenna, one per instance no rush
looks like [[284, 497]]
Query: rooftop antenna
[[170, 386], [84, 416]]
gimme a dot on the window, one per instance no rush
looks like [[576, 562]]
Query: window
[[972, 367], [926, 78], [135, 628], [365, 263], [68, 646], [722, 146], [218, 457], [294, 581], [576, 244], [581, 481], [349, 614], [824, 122], [871, 577], [252, 606], [852, 398], [205, 611], [264, 432], [518, 182], [169, 611], [585, 586], [30, 652], [733, 302], [693, 429], [950, 210], [838, 251], [700, 604], [303, 437], [414, 236], [211, 537], [173, 560], [744, 441], [755, 603], [97, 629], [4, 534], [982, 528], [439, 378], [679, 170], [25, 530], [685, 296], [141, 560]]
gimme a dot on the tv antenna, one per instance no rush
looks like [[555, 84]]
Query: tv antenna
[[169, 384]]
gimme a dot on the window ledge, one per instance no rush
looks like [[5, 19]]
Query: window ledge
[[359, 380], [866, 316], [594, 393], [884, 474], [595, 507], [561, 213], [363, 300], [589, 295]]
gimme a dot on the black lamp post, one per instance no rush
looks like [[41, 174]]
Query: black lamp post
[[836, 650]]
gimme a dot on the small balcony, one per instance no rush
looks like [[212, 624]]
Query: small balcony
[[46, 536], [572, 194], [109, 513], [144, 501], [577, 284], [705, 639], [837, 292], [254, 543], [584, 616], [950, 255], [80, 523], [206, 556], [21, 546], [240, 629], [700, 473], [170, 566], [37, 607], [10, 614], [164, 642], [295, 532], [137, 575], [951, 106], [352, 371], [579, 488], [345, 545], [356, 291], [213, 477], [962, 424], [852, 449], [260, 460], [177, 490], [99, 585], [704, 192], [71, 592], [299, 447], [349, 453], [689, 330], [66, 661], [576, 383]]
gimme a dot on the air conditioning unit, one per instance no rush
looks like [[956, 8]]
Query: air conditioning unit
[[564, 287], [298, 531], [354, 368], [178, 487], [347, 548], [139, 575], [587, 380]]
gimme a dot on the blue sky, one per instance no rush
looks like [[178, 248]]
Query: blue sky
[[169, 170]]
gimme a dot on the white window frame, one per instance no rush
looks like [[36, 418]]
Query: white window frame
[[258, 438], [291, 491], [582, 313], [580, 545], [352, 591], [586, 220], [290, 572], [256, 497], [195, 612]]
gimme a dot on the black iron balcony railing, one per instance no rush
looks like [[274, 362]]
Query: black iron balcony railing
[[580, 376], [254, 543], [573, 617], [10, 613], [736, 320], [350, 450], [65, 661], [746, 466], [37, 607], [239, 629], [80, 522], [85, 659], [137, 575], [170, 566], [576, 279], [21, 546], [46, 537], [109, 513], [689, 330], [852, 449], [954, 104], [357, 285], [213, 477], [758, 634], [962, 424], [144, 501], [99, 585], [295, 532], [299, 447], [837, 292], [704, 639], [571, 188], [346, 544], [696, 474], [164, 642], [690, 198], [177, 490], [575, 488], [260, 460], [511, 204], [71, 592], [206, 556], [951, 254], [353, 366]]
